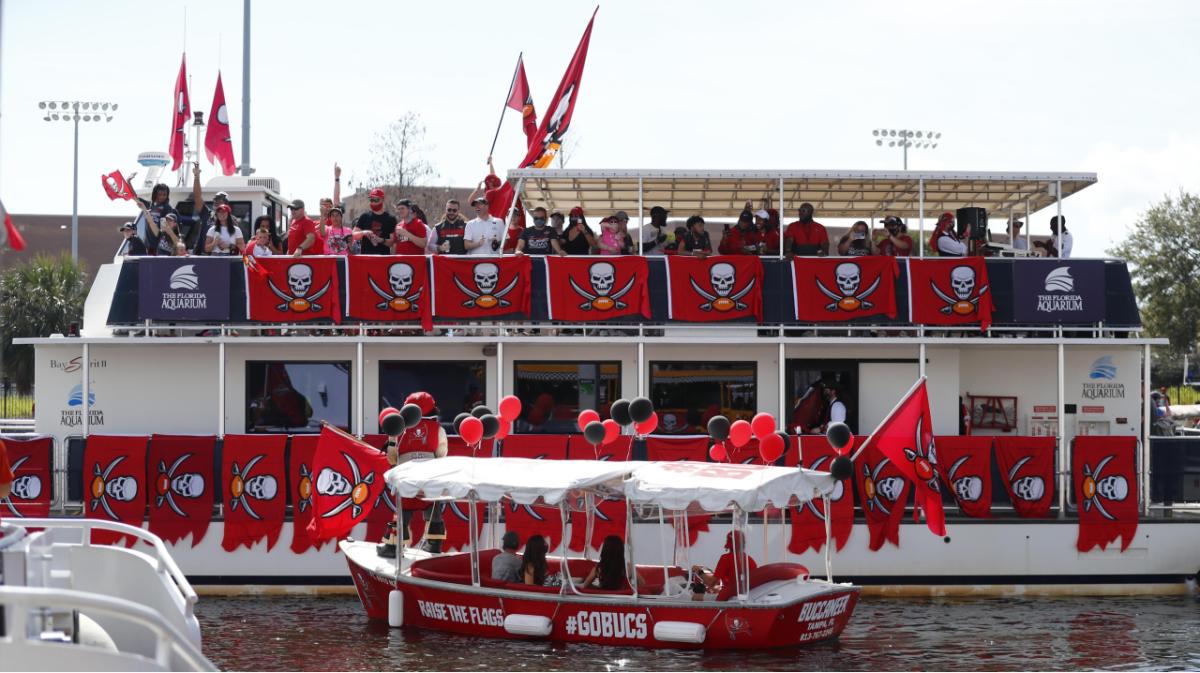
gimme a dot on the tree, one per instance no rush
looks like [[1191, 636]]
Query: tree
[[1164, 260], [38, 298], [397, 155], [568, 150]]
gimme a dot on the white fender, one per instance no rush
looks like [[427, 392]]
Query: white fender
[[395, 608], [528, 625], [679, 632]]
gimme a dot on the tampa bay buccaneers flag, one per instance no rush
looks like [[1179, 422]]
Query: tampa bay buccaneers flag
[[480, 287], [1106, 488], [808, 520], [582, 289], [949, 292], [834, 289], [114, 468], [252, 495], [9, 235], [545, 144], [964, 463], [218, 143], [521, 100], [117, 187], [529, 520], [609, 515], [181, 500], [389, 289], [293, 289], [714, 289], [181, 111], [349, 479], [695, 449], [884, 491], [301, 488], [29, 460], [1027, 471]]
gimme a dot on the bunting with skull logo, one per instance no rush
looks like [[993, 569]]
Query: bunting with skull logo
[[30, 493], [181, 495], [692, 448], [389, 289], [836, 290], [293, 289], [252, 493], [965, 464], [1105, 476], [348, 483], [949, 292], [808, 520], [714, 289], [301, 488], [1027, 470], [457, 515], [883, 491], [609, 517], [583, 289], [114, 469], [480, 287], [529, 520]]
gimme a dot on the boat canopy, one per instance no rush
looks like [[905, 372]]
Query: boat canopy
[[681, 486]]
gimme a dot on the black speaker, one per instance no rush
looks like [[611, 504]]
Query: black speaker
[[973, 221]]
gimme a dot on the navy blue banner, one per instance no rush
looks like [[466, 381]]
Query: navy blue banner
[[1057, 291], [183, 288]]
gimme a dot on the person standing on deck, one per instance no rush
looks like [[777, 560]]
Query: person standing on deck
[[806, 237], [897, 243], [945, 239], [483, 235], [374, 228], [410, 234]]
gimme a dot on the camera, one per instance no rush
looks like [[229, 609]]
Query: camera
[[495, 246]]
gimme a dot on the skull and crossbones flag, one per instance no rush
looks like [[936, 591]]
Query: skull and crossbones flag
[[181, 112], [252, 489], [1106, 490], [808, 520], [180, 492], [544, 145], [480, 287], [529, 520], [30, 493], [837, 289], [301, 489], [609, 515], [293, 289], [1027, 471], [114, 469], [692, 448], [587, 289], [389, 289], [117, 187], [348, 479], [714, 289], [949, 292], [965, 465], [883, 491]]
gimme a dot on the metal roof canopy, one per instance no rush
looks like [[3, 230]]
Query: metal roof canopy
[[834, 194]]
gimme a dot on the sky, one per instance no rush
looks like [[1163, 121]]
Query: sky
[[1090, 85]]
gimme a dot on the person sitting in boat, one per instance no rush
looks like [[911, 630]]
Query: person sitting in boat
[[425, 440], [506, 566], [610, 572], [534, 570], [712, 581]]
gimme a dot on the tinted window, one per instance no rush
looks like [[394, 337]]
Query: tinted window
[[553, 393], [456, 385], [294, 397], [687, 394]]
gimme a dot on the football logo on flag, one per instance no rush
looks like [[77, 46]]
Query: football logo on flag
[[245, 486], [1098, 489], [170, 485], [880, 494], [848, 277], [24, 487], [839, 489], [302, 299], [963, 285], [304, 489], [400, 282], [723, 280], [356, 490], [603, 277], [924, 458], [122, 488], [1028, 488], [968, 488], [486, 276]]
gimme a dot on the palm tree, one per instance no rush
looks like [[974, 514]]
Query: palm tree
[[38, 298]]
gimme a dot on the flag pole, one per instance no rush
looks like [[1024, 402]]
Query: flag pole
[[506, 99], [919, 381]]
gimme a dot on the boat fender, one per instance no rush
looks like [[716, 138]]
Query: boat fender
[[679, 632], [395, 608], [528, 625], [91, 634]]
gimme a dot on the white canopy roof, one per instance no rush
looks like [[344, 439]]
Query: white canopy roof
[[710, 487]]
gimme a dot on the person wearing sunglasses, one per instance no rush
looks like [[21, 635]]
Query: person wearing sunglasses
[[451, 229], [375, 228]]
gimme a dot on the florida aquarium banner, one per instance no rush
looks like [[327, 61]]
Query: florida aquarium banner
[[1058, 291], [183, 288]]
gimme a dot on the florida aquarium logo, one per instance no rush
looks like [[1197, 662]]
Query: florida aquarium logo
[[1104, 373], [72, 416]]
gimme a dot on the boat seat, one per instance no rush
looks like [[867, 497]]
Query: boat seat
[[767, 573], [455, 568]]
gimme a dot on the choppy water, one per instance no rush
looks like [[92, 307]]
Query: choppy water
[[332, 633]]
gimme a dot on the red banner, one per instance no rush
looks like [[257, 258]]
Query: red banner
[[114, 467], [293, 289], [480, 287], [252, 477], [180, 113], [527, 520], [883, 490], [714, 289], [181, 501], [694, 449], [836, 289], [949, 292], [965, 464], [29, 460], [349, 479], [117, 187], [1105, 476], [301, 487], [218, 144], [1027, 469], [389, 289], [609, 516], [583, 289], [544, 145], [808, 521], [521, 100]]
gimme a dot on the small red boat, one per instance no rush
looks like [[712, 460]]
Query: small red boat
[[773, 605]]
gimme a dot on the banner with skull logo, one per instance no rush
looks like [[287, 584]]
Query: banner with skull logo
[[252, 494], [1106, 489], [114, 468], [965, 464], [348, 480], [457, 515], [609, 517], [293, 289], [836, 290], [389, 289], [181, 495], [301, 488], [31, 488], [714, 289], [582, 289], [808, 520], [481, 287], [528, 520], [1027, 469], [695, 449], [949, 292], [884, 492]]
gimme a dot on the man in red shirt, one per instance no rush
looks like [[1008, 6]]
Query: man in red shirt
[[727, 570], [805, 236], [742, 239], [897, 243], [302, 233], [409, 237]]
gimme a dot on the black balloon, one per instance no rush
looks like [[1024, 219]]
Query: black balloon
[[839, 435], [841, 468], [619, 412], [641, 409], [718, 428], [411, 414], [491, 425], [459, 419], [393, 424], [594, 433], [787, 440], [481, 411]]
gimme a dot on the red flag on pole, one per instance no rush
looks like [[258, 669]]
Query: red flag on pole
[[545, 144], [521, 100], [349, 479], [10, 236], [181, 110], [117, 187], [218, 145]]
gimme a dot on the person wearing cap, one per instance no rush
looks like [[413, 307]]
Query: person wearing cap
[[410, 235], [424, 441], [132, 246], [557, 220], [539, 239], [696, 242], [653, 235], [578, 239], [302, 233], [339, 238], [224, 237], [375, 227], [742, 239], [733, 569], [622, 219], [945, 238], [483, 234], [1015, 238], [805, 236], [897, 243], [506, 566]]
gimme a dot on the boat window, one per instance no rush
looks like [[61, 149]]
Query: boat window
[[294, 397], [807, 382], [553, 393], [457, 385], [687, 394]]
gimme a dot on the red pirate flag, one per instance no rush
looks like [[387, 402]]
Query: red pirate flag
[[965, 464], [949, 292], [293, 289], [180, 112], [609, 516], [529, 520], [883, 490], [301, 488], [9, 235], [218, 145], [349, 479], [117, 187], [583, 289], [114, 467], [693, 449], [1105, 476], [808, 520], [252, 478], [836, 289], [29, 460], [467, 287], [714, 289], [521, 100], [1027, 470], [181, 498], [389, 289], [383, 510], [545, 144]]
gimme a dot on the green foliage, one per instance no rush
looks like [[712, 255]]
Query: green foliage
[[37, 298]]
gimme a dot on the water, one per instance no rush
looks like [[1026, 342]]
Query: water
[[331, 633]]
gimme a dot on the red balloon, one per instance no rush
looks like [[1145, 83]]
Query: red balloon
[[387, 411], [505, 428], [510, 408], [739, 433], [471, 430], [612, 430], [770, 448], [718, 452], [647, 426], [763, 425], [587, 416]]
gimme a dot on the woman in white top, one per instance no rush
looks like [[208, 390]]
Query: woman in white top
[[225, 236]]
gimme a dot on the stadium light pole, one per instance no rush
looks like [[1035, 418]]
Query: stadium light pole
[[76, 111], [906, 138]]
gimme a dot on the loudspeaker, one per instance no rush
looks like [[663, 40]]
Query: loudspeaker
[[974, 221]]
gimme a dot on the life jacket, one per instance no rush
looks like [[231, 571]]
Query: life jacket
[[419, 442]]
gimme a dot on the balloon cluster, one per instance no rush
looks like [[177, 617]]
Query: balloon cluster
[[394, 422], [638, 412], [771, 443], [481, 423], [841, 439]]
